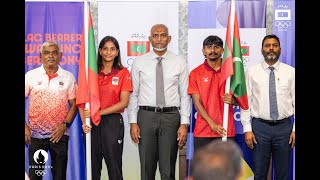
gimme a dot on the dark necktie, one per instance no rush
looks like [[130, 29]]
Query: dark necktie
[[160, 99], [273, 95]]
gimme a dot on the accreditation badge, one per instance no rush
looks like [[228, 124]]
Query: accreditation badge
[[115, 80]]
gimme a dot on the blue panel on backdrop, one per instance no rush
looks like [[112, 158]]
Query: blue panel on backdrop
[[284, 28], [61, 22], [202, 14], [214, 14], [57, 21]]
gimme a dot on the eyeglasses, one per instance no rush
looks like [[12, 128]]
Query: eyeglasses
[[54, 53], [212, 47]]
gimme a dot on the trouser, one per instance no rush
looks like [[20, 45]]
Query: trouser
[[107, 143], [202, 141], [59, 158], [272, 138], [158, 142]]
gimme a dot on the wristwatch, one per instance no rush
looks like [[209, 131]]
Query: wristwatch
[[66, 123], [186, 125]]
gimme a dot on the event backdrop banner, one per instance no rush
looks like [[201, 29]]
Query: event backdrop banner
[[284, 28], [210, 18], [130, 23], [61, 22]]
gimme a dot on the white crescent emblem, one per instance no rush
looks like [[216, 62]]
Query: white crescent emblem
[[237, 59], [138, 48]]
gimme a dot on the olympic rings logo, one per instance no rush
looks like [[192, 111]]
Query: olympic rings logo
[[282, 24], [40, 172]]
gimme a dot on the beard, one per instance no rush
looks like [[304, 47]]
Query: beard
[[213, 59], [272, 56], [160, 49]]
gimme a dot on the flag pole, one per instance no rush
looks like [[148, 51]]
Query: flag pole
[[227, 87], [87, 105]]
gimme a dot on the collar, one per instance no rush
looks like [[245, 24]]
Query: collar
[[113, 71], [208, 67], [154, 55], [43, 71], [275, 65]]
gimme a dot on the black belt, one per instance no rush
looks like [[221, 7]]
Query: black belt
[[272, 122], [157, 109]]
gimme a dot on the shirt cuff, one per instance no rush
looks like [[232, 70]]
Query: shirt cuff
[[132, 118], [184, 120], [294, 128], [247, 128]]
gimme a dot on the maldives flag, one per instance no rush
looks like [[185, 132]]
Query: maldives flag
[[88, 91], [227, 63], [137, 48], [245, 50], [238, 82], [232, 64]]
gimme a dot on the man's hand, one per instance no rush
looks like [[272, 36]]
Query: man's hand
[[218, 129], [182, 135], [86, 128], [58, 132], [292, 140], [227, 98], [135, 132], [250, 139], [27, 134]]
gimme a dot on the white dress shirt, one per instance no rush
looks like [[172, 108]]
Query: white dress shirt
[[257, 81], [175, 75]]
